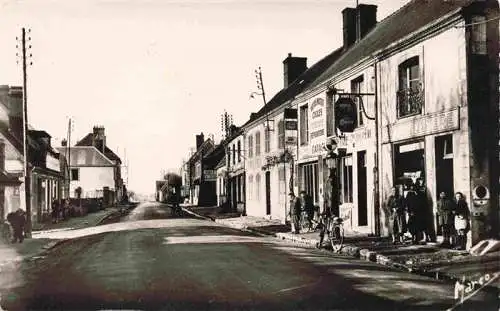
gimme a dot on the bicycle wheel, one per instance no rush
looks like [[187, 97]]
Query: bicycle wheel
[[336, 236]]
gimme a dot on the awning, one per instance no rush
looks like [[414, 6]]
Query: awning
[[7, 179]]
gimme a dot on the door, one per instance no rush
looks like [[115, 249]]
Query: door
[[268, 193], [362, 190], [444, 168]]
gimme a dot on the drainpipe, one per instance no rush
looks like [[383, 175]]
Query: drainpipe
[[376, 168]]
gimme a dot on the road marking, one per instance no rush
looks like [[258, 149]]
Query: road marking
[[495, 276], [289, 289]]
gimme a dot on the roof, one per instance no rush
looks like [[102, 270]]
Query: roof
[[222, 162], [408, 19], [87, 141], [411, 17], [81, 156], [299, 85]]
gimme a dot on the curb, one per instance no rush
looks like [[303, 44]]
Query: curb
[[347, 249]]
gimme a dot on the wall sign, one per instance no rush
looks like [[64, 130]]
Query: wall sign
[[53, 163], [346, 114], [421, 126], [209, 175]]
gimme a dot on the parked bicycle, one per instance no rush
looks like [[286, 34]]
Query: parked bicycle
[[333, 228]]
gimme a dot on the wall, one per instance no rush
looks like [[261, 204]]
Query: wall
[[92, 179], [442, 66]]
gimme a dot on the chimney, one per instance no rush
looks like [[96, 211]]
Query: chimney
[[64, 143], [199, 140], [99, 138], [293, 67], [367, 19], [15, 106], [349, 26]]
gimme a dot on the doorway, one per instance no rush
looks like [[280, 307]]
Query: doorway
[[409, 163], [268, 193], [444, 165], [362, 190]]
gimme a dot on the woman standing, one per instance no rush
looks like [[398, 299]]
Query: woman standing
[[461, 221]]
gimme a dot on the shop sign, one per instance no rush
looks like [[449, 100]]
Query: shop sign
[[53, 163], [290, 125], [346, 114], [317, 126], [291, 140], [425, 125], [210, 175]]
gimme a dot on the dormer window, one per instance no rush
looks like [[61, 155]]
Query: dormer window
[[410, 92]]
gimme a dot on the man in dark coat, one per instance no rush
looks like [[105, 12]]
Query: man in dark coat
[[17, 220], [397, 218], [445, 211], [295, 210], [307, 206], [414, 214]]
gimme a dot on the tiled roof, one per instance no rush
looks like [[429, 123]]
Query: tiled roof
[[87, 141], [86, 156], [408, 19], [299, 85], [411, 17]]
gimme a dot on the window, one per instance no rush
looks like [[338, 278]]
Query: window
[[267, 140], [346, 177], [75, 174], [304, 129], [250, 146], [228, 156], [257, 187], [357, 86], [311, 180], [234, 155], [257, 144], [281, 134], [478, 35], [410, 93], [239, 151]]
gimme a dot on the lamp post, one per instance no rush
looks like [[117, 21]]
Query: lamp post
[[331, 162]]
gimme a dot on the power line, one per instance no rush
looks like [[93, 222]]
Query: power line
[[479, 23]]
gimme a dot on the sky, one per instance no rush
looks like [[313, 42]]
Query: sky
[[156, 73]]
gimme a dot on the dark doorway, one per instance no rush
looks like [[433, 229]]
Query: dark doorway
[[234, 198], [362, 190], [268, 193], [444, 165], [409, 163]]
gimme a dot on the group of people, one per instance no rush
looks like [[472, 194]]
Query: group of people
[[297, 206], [17, 223], [61, 210], [410, 213]]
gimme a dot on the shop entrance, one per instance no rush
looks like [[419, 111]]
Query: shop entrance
[[362, 190], [409, 163], [444, 165]]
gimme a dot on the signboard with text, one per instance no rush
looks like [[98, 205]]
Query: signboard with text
[[317, 125], [53, 163], [210, 175], [291, 128]]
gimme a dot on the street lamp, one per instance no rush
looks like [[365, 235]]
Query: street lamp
[[331, 162]]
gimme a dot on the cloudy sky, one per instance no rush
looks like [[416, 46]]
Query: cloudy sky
[[155, 73]]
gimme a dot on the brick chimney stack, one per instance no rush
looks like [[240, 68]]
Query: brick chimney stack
[[293, 67], [199, 140], [357, 22], [99, 138]]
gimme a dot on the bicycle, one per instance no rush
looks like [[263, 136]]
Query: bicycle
[[336, 233]]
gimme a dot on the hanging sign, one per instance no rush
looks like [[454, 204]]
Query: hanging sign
[[346, 114]]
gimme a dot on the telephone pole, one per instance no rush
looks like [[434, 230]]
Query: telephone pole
[[27, 179]]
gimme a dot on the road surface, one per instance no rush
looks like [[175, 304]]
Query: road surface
[[152, 261]]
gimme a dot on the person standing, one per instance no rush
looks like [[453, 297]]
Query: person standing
[[414, 221], [396, 209], [295, 209], [307, 206], [461, 221], [445, 210]]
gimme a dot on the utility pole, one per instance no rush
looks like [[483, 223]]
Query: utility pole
[[27, 179]]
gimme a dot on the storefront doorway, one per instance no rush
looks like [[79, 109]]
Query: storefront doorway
[[362, 190], [444, 165], [409, 163]]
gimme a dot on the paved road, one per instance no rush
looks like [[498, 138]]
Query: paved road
[[152, 261]]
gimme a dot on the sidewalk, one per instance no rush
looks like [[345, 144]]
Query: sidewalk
[[430, 260], [12, 254]]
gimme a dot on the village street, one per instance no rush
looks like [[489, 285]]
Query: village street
[[151, 260]]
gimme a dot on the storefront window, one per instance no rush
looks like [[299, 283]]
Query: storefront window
[[310, 180], [346, 177]]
